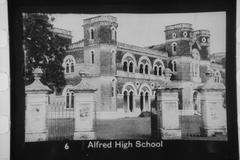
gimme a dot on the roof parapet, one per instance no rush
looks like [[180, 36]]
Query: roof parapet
[[100, 18], [178, 25]]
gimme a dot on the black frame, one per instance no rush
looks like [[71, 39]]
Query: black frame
[[78, 149]]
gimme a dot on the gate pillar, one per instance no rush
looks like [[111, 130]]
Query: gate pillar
[[85, 111], [36, 109], [212, 102], [165, 114]]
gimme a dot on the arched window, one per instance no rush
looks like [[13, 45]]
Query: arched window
[[130, 67], [155, 70], [174, 48], [72, 67], [67, 68], [144, 64], [146, 69], [72, 100], [128, 62], [158, 67], [173, 66], [160, 71], [125, 66], [91, 33], [67, 100], [141, 68], [69, 64]]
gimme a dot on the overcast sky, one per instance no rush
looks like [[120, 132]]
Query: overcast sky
[[148, 29]]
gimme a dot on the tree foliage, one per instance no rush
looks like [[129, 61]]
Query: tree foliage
[[42, 48]]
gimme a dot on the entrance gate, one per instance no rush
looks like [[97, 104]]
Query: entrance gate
[[60, 121]]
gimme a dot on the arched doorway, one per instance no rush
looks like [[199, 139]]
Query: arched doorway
[[131, 101], [145, 95], [129, 93], [147, 101], [125, 101], [141, 101]]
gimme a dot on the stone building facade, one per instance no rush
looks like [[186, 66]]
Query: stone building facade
[[125, 75]]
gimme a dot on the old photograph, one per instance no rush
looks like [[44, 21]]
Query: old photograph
[[125, 76]]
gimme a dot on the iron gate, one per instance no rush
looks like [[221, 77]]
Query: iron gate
[[60, 121]]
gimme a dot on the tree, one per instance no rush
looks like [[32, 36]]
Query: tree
[[42, 48]]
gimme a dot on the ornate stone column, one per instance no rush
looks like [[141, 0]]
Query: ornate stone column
[[149, 102], [36, 109], [128, 110], [213, 112], [85, 111], [144, 103]]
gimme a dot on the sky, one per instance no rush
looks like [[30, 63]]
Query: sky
[[148, 29]]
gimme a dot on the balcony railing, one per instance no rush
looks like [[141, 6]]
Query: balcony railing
[[78, 44], [139, 75]]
